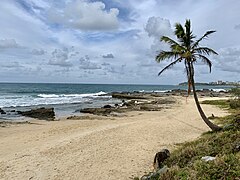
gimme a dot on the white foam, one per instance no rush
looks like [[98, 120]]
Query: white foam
[[48, 95], [71, 95], [218, 90], [161, 91], [45, 99]]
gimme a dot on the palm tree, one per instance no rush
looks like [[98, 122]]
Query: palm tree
[[188, 50]]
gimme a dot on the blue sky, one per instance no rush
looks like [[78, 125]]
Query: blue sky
[[111, 41]]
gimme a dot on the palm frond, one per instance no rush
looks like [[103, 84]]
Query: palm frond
[[205, 60], [205, 50], [166, 55], [169, 40], [203, 37], [169, 66], [179, 31], [189, 35]]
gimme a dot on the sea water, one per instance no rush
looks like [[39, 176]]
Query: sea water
[[68, 99]]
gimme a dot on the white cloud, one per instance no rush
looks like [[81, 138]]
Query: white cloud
[[8, 43], [157, 27], [86, 64], [229, 60], [38, 52], [87, 16], [108, 56], [60, 57]]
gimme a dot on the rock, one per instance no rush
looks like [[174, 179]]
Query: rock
[[208, 158], [97, 111], [206, 90], [154, 175], [160, 157], [2, 111], [40, 113], [128, 96], [107, 106], [150, 108]]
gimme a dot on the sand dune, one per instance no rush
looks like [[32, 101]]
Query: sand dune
[[107, 148]]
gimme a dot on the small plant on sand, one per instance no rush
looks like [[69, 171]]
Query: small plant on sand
[[188, 50]]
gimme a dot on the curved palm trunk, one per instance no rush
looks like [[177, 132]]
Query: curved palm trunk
[[205, 119]]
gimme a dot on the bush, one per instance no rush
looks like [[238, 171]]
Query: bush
[[235, 92], [235, 104]]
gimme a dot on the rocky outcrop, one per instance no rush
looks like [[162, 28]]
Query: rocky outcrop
[[40, 113], [128, 95], [2, 111]]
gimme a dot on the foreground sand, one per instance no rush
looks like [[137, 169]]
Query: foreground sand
[[105, 148]]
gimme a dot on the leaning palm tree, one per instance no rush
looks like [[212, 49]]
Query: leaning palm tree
[[188, 50]]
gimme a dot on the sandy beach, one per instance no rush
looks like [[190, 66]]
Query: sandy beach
[[107, 148]]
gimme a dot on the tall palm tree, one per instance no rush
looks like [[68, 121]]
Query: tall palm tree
[[188, 50]]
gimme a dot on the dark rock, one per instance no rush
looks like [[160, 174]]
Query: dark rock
[[155, 175], [107, 106], [160, 157], [149, 108], [206, 90], [97, 111], [40, 113], [2, 111], [128, 95], [179, 91], [13, 111]]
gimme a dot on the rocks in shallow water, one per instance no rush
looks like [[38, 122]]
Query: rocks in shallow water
[[107, 106], [40, 113], [128, 96], [2, 111]]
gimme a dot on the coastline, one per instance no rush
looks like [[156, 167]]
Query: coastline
[[98, 147]]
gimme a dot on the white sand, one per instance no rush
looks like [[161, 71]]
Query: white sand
[[111, 148]]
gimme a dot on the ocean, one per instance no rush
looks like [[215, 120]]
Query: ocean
[[68, 99]]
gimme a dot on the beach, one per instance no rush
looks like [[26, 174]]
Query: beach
[[98, 147]]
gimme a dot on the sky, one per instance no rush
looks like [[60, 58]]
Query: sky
[[112, 41]]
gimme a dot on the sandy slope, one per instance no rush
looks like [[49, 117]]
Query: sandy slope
[[111, 148]]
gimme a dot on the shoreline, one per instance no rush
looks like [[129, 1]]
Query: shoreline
[[71, 109], [98, 147]]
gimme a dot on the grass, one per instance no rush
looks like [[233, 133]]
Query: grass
[[219, 103], [185, 162]]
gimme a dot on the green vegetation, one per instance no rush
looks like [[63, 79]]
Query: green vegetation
[[229, 104], [236, 92], [187, 50], [185, 162], [220, 103]]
